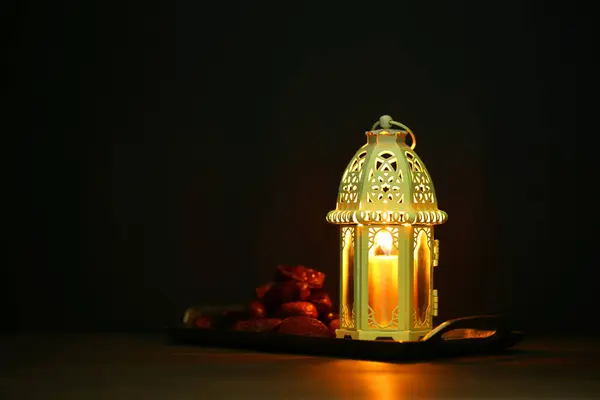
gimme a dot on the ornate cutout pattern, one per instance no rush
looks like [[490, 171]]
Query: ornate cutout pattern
[[385, 179], [351, 179], [432, 217], [347, 232], [393, 324], [373, 233], [422, 192], [346, 320]]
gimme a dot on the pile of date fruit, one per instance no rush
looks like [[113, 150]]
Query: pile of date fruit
[[293, 303]]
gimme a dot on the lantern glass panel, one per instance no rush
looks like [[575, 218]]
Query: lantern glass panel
[[383, 278], [422, 276], [347, 278]]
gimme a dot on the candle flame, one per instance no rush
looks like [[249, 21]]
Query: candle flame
[[385, 241]]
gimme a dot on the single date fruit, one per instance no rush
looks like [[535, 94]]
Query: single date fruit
[[203, 322], [321, 299], [334, 324], [298, 308], [304, 326]]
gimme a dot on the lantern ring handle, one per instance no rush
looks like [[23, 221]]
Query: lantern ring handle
[[390, 121]]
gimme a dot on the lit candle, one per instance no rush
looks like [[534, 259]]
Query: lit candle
[[383, 279]]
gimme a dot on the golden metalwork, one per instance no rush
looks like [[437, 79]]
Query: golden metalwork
[[387, 208]]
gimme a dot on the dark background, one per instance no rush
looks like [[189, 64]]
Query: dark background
[[174, 155]]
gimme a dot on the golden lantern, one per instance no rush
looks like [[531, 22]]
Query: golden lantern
[[387, 209]]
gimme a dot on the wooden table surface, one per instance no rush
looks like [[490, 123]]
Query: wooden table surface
[[127, 366]]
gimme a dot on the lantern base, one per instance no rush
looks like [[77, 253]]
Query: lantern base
[[398, 336]]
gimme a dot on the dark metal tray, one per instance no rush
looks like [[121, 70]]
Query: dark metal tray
[[447, 340]]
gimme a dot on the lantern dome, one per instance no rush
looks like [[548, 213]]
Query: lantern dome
[[386, 182]]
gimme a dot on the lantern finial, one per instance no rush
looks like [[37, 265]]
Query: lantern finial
[[385, 121]]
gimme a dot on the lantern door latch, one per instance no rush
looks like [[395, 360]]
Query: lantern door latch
[[436, 253], [434, 295]]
